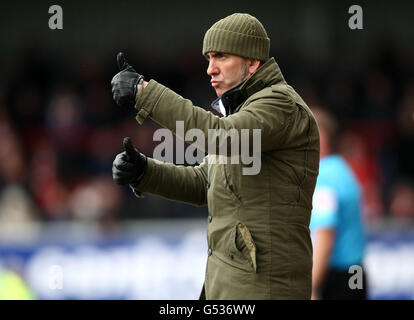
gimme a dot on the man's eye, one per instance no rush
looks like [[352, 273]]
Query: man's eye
[[219, 55]]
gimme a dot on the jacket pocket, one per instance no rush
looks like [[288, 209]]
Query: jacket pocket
[[242, 250], [232, 184], [245, 244]]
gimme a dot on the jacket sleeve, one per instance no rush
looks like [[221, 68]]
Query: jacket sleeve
[[270, 113], [180, 183]]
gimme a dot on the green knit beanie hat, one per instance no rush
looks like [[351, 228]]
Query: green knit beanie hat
[[240, 34]]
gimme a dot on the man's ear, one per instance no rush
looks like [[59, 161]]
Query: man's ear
[[253, 65]]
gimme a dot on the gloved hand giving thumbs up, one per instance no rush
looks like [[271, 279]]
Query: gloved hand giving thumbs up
[[129, 165], [124, 83]]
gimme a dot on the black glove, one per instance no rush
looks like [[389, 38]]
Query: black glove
[[129, 165], [124, 83]]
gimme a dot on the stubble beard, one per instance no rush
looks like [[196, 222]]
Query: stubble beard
[[243, 76], [244, 73]]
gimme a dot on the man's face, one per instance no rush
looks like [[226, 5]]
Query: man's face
[[226, 71]]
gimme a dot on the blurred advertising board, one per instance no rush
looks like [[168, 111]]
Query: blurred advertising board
[[160, 260]]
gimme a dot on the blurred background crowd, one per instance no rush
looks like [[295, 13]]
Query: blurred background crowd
[[60, 129]]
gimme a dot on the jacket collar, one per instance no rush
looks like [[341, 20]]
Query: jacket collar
[[267, 75], [230, 100]]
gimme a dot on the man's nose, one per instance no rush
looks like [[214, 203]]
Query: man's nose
[[212, 68]]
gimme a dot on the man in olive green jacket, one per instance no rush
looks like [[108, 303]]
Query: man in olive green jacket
[[258, 232]]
